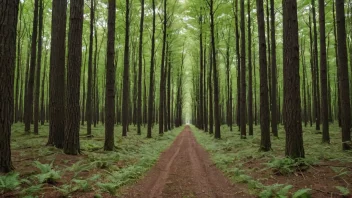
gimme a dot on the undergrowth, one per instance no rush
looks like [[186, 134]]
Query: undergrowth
[[232, 155], [96, 170]]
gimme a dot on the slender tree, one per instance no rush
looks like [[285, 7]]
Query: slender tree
[[343, 74], [57, 91], [265, 144], [140, 67], [292, 99], [110, 79], [323, 73], [8, 28], [273, 71], [250, 76], [243, 73], [162, 74], [28, 102], [71, 141], [126, 73]]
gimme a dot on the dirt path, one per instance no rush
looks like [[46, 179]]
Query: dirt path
[[184, 170]]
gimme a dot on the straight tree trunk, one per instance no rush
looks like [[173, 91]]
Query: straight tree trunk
[[343, 75], [250, 73], [265, 144], [8, 32], [38, 69], [292, 99], [57, 74], [28, 101], [243, 74], [162, 75], [323, 74], [42, 105], [71, 141], [140, 67], [151, 78], [126, 74], [90, 68], [273, 72], [110, 80]]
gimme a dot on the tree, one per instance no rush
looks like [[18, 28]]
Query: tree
[[250, 76], [38, 68], [323, 73], [273, 71], [343, 75], [57, 91], [140, 66], [28, 102], [126, 74], [243, 73], [110, 80], [90, 68], [292, 99], [265, 144], [162, 74], [8, 32], [71, 141], [151, 78]]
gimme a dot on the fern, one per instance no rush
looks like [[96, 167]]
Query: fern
[[302, 193], [47, 175], [32, 189], [9, 182], [108, 187], [344, 191]]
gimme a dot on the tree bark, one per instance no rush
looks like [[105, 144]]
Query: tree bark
[[71, 141]]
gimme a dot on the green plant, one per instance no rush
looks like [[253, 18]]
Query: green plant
[[344, 191], [286, 166], [276, 190], [108, 187], [340, 171], [9, 182], [48, 174], [32, 189], [302, 193], [82, 185]]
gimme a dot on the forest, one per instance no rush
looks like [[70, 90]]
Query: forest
[[175, 98]]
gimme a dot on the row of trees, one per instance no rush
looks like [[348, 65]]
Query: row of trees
[[230, 43], [84, 84]]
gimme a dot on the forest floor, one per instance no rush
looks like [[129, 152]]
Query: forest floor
[[325, 172], [44, 171], [184, 171]]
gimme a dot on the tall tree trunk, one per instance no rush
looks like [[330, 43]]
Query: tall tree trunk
[[265, 144], [42, 104], [140, 67], [323, 73], [18, 73], [8, 28], [38, 69], [57, 74], [28, 107], [250, 73], [162, 74], [292, 99], [273, 72], [90, 66], [126, 73], [343, 75], [110, 80], [151, 78], [71, 141], [243, 73]]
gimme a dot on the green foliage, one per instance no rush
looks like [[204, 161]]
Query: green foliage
[[302, 193], [9, 182], [33, 189], [285, 166], [48, 174], [341, 171], [108, 187], [276, 190], [344, 191]]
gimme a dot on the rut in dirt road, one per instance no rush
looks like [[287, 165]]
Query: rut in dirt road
[[184, 170]]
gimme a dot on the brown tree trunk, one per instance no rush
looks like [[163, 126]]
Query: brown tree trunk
[[140, 67], [250, 73], [110, 80], [292, 99], [28, 101], [273, 72], [151, 78], [162, 75], [265, 144], [57, 74], [8, 28], [71, 141], [343, 75], [126, 73], [323, 73], [243, 74]]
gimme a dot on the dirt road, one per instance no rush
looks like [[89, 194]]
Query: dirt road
[[184, 170]]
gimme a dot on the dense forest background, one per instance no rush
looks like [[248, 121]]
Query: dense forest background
[[86, 69]]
